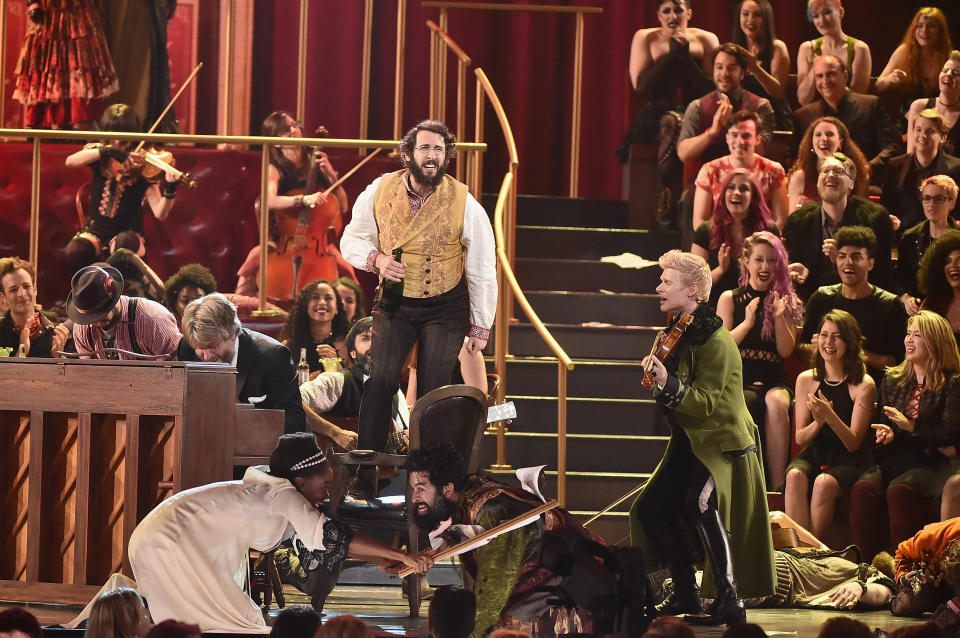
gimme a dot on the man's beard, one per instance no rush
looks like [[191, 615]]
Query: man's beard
[[418, 175], [431, 519], [831, 195], [365, 362]]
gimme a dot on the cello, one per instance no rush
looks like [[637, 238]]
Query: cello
[[305, 246]]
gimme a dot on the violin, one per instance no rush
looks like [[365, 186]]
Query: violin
[[663, 346], [156, 162]]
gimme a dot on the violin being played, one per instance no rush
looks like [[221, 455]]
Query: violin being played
[[663, 345]]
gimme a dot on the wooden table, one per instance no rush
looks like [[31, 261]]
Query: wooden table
[[89, 447]]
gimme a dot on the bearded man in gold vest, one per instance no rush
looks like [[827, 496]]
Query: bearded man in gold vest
[[448, 269]]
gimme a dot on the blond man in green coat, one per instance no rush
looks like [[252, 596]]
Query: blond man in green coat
[[706, 500]]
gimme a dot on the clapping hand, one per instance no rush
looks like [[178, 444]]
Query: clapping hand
[[884, 433], [819, 406], [830, 249], [723, 257], [896, 417], [779, 304], [750, 312]]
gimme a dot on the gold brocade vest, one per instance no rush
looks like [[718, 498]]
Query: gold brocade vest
[[430, 239]]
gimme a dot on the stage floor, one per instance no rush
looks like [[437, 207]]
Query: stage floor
[[384, 610]]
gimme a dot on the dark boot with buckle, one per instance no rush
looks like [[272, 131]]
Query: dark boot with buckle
[[727, 608]]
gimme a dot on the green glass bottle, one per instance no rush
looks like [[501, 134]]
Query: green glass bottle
[[391, 292]]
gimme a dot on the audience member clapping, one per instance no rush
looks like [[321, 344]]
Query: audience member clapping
[[453, 613], [318, 323], [17, 622], [742, 139], [939, 279], [905, 174], [295, 622], [947, 103], [740, 211], [345, 626], [118, 613], [938, 196], [175, 629], [763, 316], [769, 59], [916, 425], [833, 410], [911, 73], [824, 137], [827, 18], [24, 323]]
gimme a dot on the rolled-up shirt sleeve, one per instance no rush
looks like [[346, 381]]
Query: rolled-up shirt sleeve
[[360, 241], [480, 268], [322, 392]]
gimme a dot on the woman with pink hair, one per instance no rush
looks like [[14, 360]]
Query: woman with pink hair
[[763, 316], [739, 212]]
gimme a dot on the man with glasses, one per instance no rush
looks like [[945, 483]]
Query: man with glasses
[[905, 173], [809, 233], [448, 270]]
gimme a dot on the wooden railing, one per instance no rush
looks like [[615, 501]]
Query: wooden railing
[[504, 224], [471, 150]]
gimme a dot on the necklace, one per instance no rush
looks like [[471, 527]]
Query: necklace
[[944, 104], [834, 384]]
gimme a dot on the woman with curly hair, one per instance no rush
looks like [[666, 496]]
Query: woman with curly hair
[[352, 297], [769, 59], [318, 324], [823, 138], [739, 212], [763, 316], [832, 413], [190, 282], [917, 428], [914, 67], [947, 103], [939, 279]]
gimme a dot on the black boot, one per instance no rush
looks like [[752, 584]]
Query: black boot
[[727, 608], [685, 597]]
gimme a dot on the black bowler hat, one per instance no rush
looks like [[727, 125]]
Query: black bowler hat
[[94, 292]]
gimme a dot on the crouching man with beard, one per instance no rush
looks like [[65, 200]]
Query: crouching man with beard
[[506, 571]]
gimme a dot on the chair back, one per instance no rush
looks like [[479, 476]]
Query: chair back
[[455, 414]]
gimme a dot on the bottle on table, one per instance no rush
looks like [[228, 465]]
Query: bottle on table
[[303, 368]]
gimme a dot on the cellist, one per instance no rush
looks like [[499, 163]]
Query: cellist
[[117, 192], [288, 174]]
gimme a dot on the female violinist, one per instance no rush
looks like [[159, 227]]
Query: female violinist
[[117, 192], [291, 170]]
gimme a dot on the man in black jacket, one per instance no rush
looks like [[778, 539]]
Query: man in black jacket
[[809, 233], [266, 376]]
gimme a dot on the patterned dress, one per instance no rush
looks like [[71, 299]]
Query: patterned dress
[[65, 69]]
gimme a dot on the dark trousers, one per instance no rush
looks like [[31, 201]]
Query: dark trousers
[[438, 326]]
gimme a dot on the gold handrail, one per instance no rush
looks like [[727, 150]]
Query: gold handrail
[[506, 209], [38, 135], [438, 81], [577, 99]]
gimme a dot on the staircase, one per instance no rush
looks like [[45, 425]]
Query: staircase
[[605, 318]]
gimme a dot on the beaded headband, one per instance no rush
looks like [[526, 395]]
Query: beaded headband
[[310, 461]]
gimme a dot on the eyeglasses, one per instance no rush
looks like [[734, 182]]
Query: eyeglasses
[[834, 170], [427, 150], [936, 199]]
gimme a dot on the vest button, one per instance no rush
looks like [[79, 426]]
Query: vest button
[[425, 293], [428, 258], [427, 281], [426, 270]]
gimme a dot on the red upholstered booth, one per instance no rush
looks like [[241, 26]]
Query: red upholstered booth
[[214, 225]]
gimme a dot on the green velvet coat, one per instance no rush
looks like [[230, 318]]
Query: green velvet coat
[[708, 405]]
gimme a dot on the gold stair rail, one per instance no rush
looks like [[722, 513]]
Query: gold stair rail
[[577, 91], [505, 217], [38, 135], [438, 81]]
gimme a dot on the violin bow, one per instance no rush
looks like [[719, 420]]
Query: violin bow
[[169, 106], [353, 170]]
